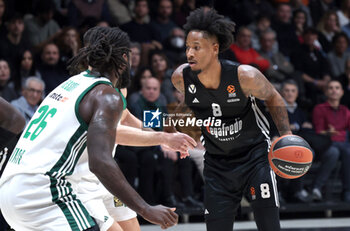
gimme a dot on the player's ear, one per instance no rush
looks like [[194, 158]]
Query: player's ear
[[216, 48]]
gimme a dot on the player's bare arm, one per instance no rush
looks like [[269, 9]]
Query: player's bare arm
[[177, 78], [10, 118], [147, 137], [254, 83], [178, 81], [101, 109], [11, 123], [176, 141], [129, 119]]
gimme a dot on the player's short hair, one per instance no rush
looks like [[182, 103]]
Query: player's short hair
[[212, 24], [103, 51]]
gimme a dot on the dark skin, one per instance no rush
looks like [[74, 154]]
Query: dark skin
[[10, 118], [101, 109], [202, 55]]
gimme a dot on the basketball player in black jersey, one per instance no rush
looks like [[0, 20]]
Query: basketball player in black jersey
[[237, 138]]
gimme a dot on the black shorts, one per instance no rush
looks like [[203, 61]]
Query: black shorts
[[226, 181]]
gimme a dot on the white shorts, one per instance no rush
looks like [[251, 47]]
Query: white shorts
[[101, 204], [98, 211], [38, 202], [117, 209]]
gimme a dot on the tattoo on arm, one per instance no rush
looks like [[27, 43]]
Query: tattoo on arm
[[178, 80], [254, 83], [279, 114]]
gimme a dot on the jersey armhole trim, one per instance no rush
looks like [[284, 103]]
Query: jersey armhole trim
[[123, 98], [81, 96]]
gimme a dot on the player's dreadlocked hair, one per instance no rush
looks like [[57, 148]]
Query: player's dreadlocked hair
[[210, 22], [103, 51]]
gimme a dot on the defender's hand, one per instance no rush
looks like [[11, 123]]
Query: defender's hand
[[161, 215], [179, 142]]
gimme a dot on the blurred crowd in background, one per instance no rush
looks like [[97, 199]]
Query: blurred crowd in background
[[302, 47]]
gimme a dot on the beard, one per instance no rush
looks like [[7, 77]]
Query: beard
[[124, 78], [196, 72]]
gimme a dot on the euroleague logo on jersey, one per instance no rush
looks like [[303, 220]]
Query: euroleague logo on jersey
[[231, 89], [232, 94]]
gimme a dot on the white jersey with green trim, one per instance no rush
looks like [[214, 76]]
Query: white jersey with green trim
[[55, 137]]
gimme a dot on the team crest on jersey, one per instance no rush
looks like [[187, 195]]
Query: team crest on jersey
[[192, 88], [117, 202]]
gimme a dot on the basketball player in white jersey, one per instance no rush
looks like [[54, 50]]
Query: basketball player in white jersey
[[98, 201], [35, 193]]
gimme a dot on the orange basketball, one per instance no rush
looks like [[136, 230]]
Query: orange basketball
[[290, 156]]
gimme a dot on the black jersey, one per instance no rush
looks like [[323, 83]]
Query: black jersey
[[236, 123]]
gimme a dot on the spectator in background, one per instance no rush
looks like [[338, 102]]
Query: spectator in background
[[6, 88], [13, 43], [103, 24], [328, 27], [280, 68], [244, 53], [151, 99], [41, 27], [25, 67], [298, 5], [333, 119], [136, 83], [339, 55], [299, 122], [142, 162], [135, 58], [281, 24], [345, 81], [182, 9], [319, 7], [61, 13], [79, 10], [139, 29], [120, 11], [344, 13], [299, 23], [174, 47], [295, 189], [148, 98], [68, 42], [260, 25], [32, 94], [162, 23], [246, 11], [161, 70], [51, 70], [3, 30], [313, 66]]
